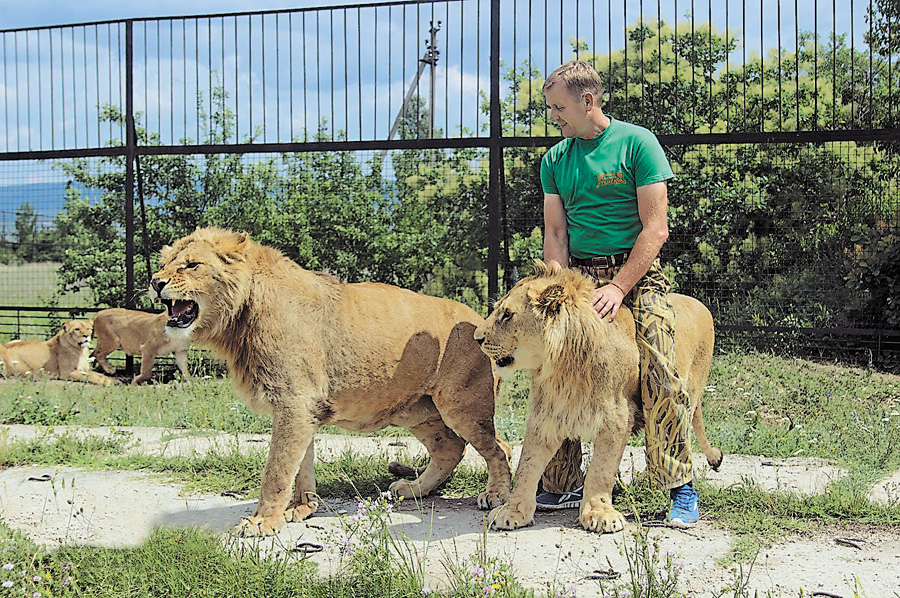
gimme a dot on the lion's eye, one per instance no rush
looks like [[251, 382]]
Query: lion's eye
[[191, 265], [506, 316]]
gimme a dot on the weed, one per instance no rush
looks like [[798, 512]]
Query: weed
[[483, 574], [37, 409]]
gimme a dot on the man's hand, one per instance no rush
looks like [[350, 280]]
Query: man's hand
[[607, 300]]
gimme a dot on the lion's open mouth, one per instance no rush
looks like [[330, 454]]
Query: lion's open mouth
[[505, 361], [182, 313]]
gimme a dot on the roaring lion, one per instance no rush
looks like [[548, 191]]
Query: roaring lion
[[312, 351], [137, 333], [584, 382], [65, 356]]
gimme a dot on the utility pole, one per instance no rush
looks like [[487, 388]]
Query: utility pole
[[430, 58]]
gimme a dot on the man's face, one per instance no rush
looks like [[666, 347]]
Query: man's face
[[567, 111]]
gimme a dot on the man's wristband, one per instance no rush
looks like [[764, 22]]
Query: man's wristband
[[618, 287]]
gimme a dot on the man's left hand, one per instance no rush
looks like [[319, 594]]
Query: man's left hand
[[607, 300]]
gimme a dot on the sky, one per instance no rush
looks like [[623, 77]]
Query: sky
[[38, 13]]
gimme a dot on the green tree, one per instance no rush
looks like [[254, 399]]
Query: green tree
[[26, 232]]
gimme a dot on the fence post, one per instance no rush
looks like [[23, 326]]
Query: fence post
[[496, 159], [130, 153]]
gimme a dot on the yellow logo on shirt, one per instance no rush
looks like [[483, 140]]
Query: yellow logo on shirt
[[613, 178]]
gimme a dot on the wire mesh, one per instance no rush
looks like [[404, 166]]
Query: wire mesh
[[779, 118]]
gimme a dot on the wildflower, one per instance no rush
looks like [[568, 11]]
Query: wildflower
[[36, 578], [8, 566], [7, 584], [426, 591]]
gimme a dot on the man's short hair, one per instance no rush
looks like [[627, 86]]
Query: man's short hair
[[579, 77]]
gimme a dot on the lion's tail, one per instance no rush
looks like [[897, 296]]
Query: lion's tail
[[713, 453], [401, 470]]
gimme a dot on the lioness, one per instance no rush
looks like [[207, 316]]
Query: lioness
[[313, 351], [137, 333], [584, 382], [65, 356]]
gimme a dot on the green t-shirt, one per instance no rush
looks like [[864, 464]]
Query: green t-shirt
[[598, 180]]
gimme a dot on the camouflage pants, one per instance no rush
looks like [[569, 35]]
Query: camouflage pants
[[666, 403]]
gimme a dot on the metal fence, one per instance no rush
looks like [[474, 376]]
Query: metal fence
[[741, 93]]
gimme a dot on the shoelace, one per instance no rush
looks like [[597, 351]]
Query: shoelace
[[574, 494], [684, 499]]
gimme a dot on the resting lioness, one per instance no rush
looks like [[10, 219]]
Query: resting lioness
[[137, 333], [65, 356], [313, 351]]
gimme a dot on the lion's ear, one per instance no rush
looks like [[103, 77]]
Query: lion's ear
[[549, 300], [231, 247]]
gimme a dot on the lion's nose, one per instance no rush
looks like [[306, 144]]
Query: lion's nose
[[479, 336], [480, 341], [157, 284]]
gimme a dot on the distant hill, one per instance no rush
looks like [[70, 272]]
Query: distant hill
[[47, 199]]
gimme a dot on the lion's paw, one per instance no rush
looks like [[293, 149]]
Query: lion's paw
[[251, 527], [605, 519], [490, 499], [297, 512], [506, 517], [406, 489]]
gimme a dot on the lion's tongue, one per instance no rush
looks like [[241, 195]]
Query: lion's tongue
[[179, 308]]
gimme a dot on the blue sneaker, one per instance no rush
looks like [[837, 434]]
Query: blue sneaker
[[551, 501], [684, 511]]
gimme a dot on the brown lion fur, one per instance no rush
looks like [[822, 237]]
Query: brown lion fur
[[64, 356], [137, 333], [313, 351], [585, 382]]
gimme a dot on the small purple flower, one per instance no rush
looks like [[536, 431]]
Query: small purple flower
[[7, 584], [426, 591], [8, 566]]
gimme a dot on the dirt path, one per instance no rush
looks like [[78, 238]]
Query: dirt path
[[121, 508]]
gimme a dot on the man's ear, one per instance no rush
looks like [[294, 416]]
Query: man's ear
[[589, 100]]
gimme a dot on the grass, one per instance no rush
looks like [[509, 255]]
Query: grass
[[755, 404], [37, 284], [202, 404]]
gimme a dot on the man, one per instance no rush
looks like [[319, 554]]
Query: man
[[605, 202]]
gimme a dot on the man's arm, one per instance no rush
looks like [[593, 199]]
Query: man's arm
[[556, 235], [653, 203]]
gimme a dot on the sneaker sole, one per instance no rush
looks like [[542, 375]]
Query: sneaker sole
[[678, 523], [563, 505]]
